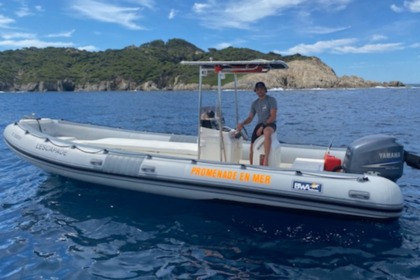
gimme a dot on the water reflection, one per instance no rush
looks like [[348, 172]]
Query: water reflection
[[123, 234]]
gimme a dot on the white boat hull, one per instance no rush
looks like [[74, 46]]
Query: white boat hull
[[155, 163]]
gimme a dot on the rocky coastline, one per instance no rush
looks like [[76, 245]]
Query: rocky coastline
[[302, 74]]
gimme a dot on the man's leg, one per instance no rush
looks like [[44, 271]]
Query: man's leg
[[254, 137], [251, 154], [268, 131]]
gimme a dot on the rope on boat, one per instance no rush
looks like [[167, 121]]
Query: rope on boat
[[104, 151], [362, 179], [46, 139]]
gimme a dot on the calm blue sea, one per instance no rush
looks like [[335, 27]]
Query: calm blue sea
[[55, 228]]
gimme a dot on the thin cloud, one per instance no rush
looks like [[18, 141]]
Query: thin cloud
[[325, 30], [412, 6], [65, 34], [229, 14], [333, 5], [224, 45], [396, 8], [341, 46], [378, 37], [235, 42], [5, 21], [23, 12], [33, 43], [18, 35], [172, 14], [200, 8], [150, 4], [369, 48], [318, 47], [88, 48], [20, 40], [104, 12], [220, 14]]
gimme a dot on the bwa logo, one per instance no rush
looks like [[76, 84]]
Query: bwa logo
[[305, 186]]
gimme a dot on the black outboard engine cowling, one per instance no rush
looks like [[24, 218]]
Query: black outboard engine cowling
[[375, 154]]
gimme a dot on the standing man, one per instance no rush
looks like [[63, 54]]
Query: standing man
[[265, 107]]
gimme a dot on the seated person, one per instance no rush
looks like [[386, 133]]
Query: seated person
[[265, 107]]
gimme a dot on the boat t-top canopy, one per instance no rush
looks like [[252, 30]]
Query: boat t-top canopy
[[240, 66], [228, 67]]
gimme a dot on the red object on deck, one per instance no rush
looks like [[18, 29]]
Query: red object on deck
[[331, 163]]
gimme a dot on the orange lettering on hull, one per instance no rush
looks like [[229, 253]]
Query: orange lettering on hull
[[261, 179]]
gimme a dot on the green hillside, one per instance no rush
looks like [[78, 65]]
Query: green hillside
[[155, 61]]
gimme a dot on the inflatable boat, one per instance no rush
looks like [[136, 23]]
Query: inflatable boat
[[356, 181]]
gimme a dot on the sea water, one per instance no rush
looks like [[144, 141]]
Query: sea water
[[55, 228]]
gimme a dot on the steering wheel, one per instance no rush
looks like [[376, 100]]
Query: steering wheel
[[243, 133]]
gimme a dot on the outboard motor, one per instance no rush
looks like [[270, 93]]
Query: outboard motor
[[375, 154]]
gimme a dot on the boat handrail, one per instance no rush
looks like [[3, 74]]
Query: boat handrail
[[240, 66], [228, 67]]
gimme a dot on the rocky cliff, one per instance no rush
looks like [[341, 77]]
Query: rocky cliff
[[303, 74]]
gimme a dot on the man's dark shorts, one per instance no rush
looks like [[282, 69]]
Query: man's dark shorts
[[254, 133]]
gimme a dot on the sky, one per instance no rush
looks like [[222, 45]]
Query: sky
[[376, 40]]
